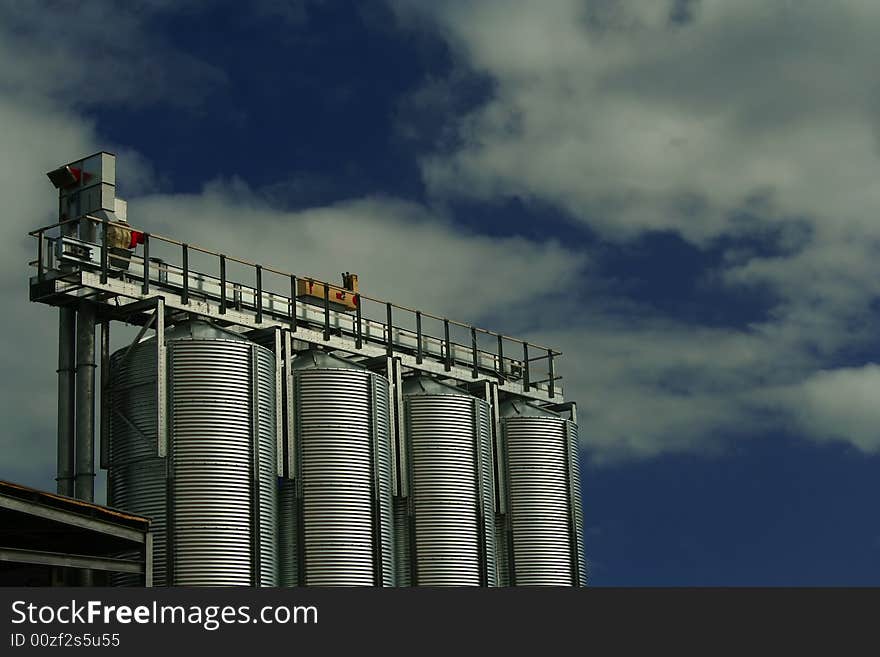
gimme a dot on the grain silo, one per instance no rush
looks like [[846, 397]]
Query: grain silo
[[213, 496], [336, 520], [544, 534], [384, 480], [450, 534]]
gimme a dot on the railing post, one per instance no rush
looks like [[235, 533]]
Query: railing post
[[551, 391], [526, 384], [359, 329], [447, 363], [500, 360], [259, 299], [104, 254], [145, 289], [326, 312], [292, 304], [474, 355], [419, 337], [389, 348], [222, 284], [185, 296], [40, 272]]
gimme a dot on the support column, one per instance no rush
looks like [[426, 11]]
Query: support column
[[84, 486], [66, 400]]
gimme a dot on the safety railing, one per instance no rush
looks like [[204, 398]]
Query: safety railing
[[71, 246]]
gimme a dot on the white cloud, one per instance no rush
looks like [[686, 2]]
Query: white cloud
[[90, 53], [625, 120], [645, 387], [838, 404], [53, 62], [37, 142], [632, 122], [401, 252]]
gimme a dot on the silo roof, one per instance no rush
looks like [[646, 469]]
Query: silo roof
[[518, 408], [424, 385], [316, 359]]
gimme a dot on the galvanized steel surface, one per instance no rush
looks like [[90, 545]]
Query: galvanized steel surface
[[137, 477], [574, 459], [66, 400], [221, 407], [288, 560], [401, 541], [84, 448], [211, 401], [344, 464], [545, 517], [267, 452], [501, 553], [452, 489]]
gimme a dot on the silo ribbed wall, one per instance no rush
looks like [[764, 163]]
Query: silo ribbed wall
[[543, 485], [220, 519], [401, 541], [342, 443], [137, 477], [268, 467], [574, 459], [288, 574], [450, 461], [501, 551]]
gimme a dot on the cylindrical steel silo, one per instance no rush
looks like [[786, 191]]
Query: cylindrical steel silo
[[341, 517], [449, 447], [545, 537], [213, 497]]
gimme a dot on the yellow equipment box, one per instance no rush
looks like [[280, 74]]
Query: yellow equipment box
[[345, 296]]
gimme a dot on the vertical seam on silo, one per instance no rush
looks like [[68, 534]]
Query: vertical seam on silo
[[290, 452], [411, 504], [387, 518], [478, 476], [508, 522], [376, 533], [279, 401], [256, 524], [489, 500], [576, 501], [572, 521], [169, 465], [298, 487]]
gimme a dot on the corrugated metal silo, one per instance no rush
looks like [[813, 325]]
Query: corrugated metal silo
[[449, 451], [544, 497], [213, 498], [342, 517]]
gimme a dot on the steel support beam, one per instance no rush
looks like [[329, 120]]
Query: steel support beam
[[148, 559], [15, 555], [71, 519], [84, 484], [66, 400], [104, 441]]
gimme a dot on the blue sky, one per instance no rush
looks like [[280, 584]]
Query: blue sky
[[682, 196]]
